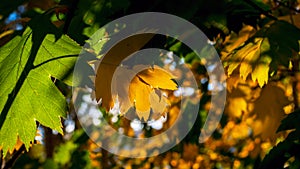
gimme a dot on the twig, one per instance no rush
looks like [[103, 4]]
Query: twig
[[70, 15], [266, 13], [295, 69], [9, 32], [291, 13], [287, 6]]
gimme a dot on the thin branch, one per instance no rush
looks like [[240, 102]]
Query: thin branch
[[70, 15], [295, 69], [287, 6], [266, 13], [291, 13]]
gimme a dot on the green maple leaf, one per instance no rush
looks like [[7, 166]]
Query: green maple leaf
[[28, 95]]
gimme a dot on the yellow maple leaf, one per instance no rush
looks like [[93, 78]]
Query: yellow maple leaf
[[139, 95], [109, 63], [158, 78], [138, 90], [245, 55], [119, 84], [142, 94]]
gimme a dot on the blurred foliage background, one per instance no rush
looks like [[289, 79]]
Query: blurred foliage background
[[258, 43]]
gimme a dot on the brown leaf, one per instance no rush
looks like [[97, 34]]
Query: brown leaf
[[103, 85], [158, 104]]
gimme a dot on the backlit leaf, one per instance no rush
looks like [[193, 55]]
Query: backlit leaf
[[139, 95], [138, 90], [38, 98], [130, 86], [262, 54], [110, 62], [158, 78], [268, 111], [158, 103]]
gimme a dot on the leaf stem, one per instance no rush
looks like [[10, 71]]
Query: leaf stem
[[70, 15], [295, 70]]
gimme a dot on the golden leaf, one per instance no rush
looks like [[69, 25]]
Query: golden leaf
[[137, 90], [139, 93], [119, 84], [246, 54], [261, 72], [158, 78], [142, 93], [109, 63]]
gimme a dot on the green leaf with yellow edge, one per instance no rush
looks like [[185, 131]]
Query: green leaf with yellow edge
[[38, 99]]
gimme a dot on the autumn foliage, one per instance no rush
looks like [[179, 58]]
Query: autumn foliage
[[257, 42]]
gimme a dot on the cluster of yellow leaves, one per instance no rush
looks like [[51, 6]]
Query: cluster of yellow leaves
[[260, 53], [250, 58]]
